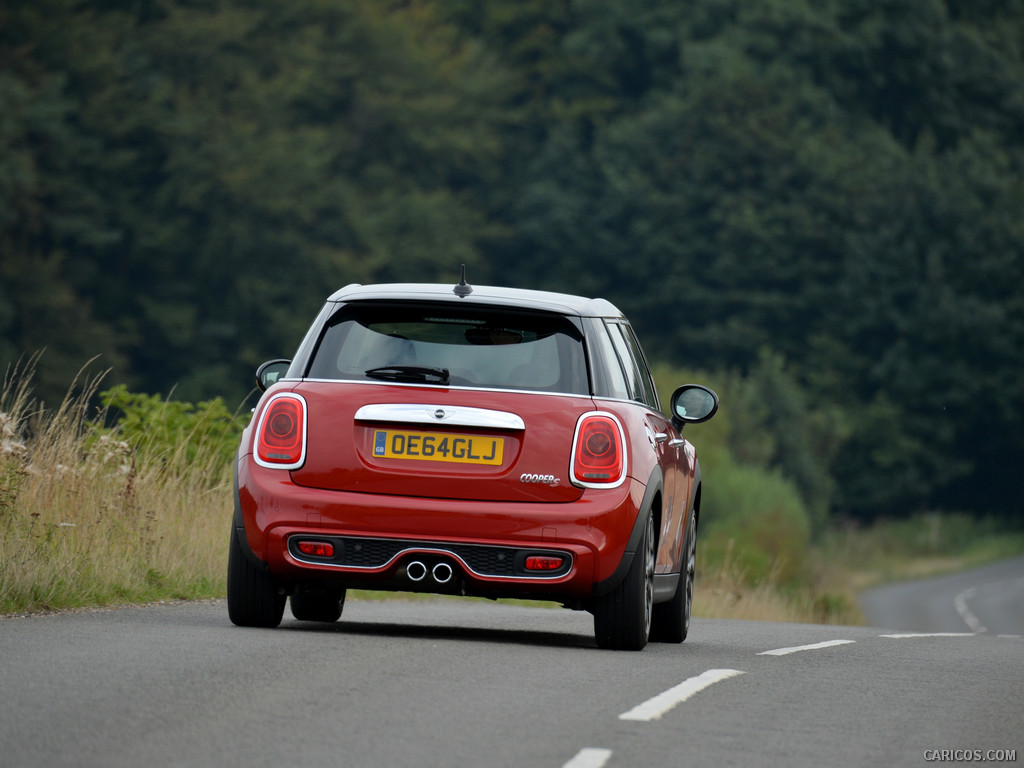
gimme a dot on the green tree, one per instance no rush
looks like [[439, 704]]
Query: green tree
[[835, 182], [237, 162], [50, 216]]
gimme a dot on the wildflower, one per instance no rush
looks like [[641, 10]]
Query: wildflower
[[10, 445], [107, 451]]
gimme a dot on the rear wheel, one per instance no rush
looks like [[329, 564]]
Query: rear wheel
[[672, 619], [308, 605], [622, 618], [254, 597]]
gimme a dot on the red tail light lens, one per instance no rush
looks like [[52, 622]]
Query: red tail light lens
[[281, 433], [598, 452], [544, 562], [316, 548]]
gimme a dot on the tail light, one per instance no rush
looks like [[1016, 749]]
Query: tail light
[[316, 548], [281, 432], [598, 452], [543, 562]]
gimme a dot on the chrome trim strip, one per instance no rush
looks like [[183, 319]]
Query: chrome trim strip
[[451, 415], [438, 551]]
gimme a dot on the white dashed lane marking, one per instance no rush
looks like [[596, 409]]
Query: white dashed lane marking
[[654, 708], [960, 603], [799, 648], [589, 758]]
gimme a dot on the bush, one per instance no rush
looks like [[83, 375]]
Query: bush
[[203, 436], [756, 520], [753, 518]]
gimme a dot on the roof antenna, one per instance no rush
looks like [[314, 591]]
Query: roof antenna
[[463, 289]]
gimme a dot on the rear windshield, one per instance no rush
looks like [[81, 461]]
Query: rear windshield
[[456, 345]]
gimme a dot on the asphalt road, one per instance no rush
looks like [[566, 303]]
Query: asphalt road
[[478, 684], [987, 600]]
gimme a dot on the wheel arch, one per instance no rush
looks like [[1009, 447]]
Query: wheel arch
[[238, 529], [696, 493], [651, 502]]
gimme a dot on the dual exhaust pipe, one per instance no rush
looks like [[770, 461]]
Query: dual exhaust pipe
[[417, 571]]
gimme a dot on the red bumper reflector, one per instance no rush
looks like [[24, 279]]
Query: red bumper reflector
[[544, 563], [316, 548]]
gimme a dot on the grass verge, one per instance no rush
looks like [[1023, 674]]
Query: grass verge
[[848, 559], [86, 519], [97, 516]]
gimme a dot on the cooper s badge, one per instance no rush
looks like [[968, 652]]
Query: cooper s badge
[[527, 477]]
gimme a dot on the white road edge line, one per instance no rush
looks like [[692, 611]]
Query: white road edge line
[[654, 708], [798, 648], [960, 602], [903, 635], [589, 758]]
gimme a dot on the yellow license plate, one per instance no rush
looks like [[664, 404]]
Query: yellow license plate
[[435, 446]]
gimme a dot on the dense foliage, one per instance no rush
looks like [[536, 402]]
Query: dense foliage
[[820, 199]]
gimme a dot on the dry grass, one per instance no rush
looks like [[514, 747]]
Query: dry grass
[[85, 520], [850, 558], [88, 520], [723, 591]]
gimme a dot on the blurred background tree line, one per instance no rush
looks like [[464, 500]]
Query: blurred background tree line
[[817, 203]]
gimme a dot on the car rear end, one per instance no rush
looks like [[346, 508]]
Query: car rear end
[[430, 442]]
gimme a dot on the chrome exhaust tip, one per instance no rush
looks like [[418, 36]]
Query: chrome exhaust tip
[[416, 571], [442, 573]]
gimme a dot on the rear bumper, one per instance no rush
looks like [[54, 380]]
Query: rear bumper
[[593, 532]]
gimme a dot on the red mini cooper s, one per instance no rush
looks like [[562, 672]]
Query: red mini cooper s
[[470, 441]]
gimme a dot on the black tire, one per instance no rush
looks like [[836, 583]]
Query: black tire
[[308, 605], [254, 598], [671, 622], [622, 618]]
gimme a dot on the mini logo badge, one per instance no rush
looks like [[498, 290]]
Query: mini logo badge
[[439, 414]]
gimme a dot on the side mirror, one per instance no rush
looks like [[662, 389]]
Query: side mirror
[[692, 404], [271, 372]]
